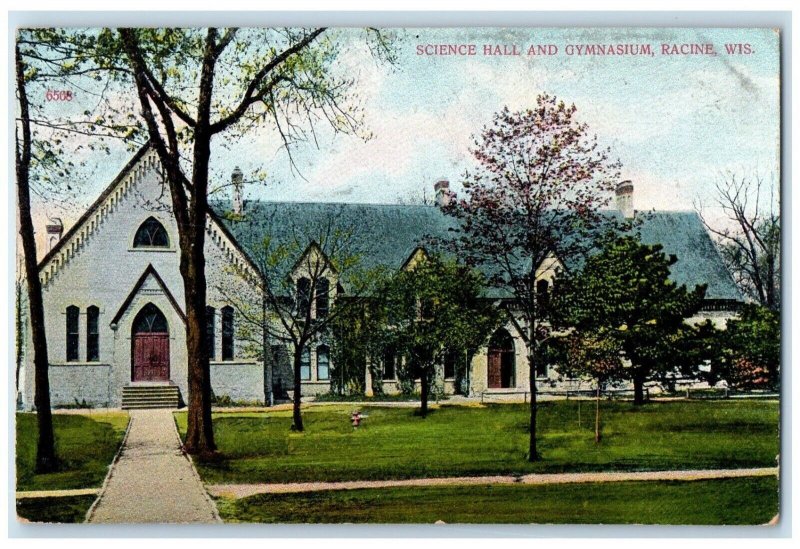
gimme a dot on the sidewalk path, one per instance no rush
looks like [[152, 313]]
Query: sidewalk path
[[246, 490], [153, 481], [58, 493]]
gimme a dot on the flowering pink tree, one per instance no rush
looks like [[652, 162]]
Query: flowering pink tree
[[537, 186]]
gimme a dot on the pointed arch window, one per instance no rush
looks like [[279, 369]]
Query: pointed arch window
[[92, 334], [150, 320], [73, 315], [151, 234]]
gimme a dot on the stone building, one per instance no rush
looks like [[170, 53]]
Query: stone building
[[113, 294]]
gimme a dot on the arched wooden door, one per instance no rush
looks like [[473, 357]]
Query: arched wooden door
[[501, 361], [150, 351]]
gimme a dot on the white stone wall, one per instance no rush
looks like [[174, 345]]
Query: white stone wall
[[99, 266], [242, 381]]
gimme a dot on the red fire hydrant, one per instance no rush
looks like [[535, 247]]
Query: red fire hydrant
[[356, 419]]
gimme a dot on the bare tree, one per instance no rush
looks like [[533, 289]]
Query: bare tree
[[46, 167], [195, 84], [302, 275], [750, 240], [45, 447]]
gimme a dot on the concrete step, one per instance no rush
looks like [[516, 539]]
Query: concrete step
[[148, 388], [153, 399], [139, 405], [159, 392], [150, 396]]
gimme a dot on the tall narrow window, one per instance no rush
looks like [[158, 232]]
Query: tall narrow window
[[323, 363], [426, 309], [323, 299], [450, 361], [151, 234], [92, 334], [389, 364], [541, 370], [305, 365], [542, 287], [227, 333], [210, 333], [303, 296], [72, 333]]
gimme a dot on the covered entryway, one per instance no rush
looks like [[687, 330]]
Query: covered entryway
[[150, 345], [501, 361]]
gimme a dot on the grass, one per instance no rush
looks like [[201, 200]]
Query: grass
[[68, 509], [85, 446], [752, 500], [454, 440]]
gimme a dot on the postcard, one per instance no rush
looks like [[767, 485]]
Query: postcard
[[385, 275]]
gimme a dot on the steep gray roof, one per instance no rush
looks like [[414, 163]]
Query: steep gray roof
[[389, 233], [683, 235]]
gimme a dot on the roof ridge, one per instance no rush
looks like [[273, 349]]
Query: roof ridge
[[325, 203], [95, 205]]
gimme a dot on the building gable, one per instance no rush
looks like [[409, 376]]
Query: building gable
[[143, 164], [149, 281]]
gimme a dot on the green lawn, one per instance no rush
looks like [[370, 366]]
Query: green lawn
[[85, 446], [455, 440], [63, 509], [751, 500]]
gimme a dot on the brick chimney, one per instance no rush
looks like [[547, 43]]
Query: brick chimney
[[237, 178], [55, 229], [443, 194], [625, 198]]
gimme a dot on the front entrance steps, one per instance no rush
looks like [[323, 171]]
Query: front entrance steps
[[150, 395]]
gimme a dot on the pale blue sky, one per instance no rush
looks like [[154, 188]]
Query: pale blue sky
[[675, 122]]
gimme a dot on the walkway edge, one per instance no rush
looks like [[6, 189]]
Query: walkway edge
[[38, 494], [214, 510], [238, 491], [113, 464]]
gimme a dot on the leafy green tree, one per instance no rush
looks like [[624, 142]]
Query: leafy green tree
[[356, 345], [432, 308], [625, 291], [752, 349]]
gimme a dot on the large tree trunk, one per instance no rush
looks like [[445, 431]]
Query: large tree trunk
[[45, 445], [424, 390], [533, 454], [199, 432], [297, 417]]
